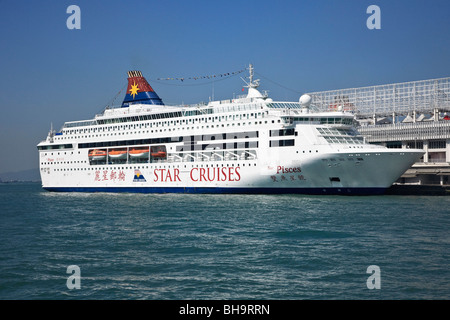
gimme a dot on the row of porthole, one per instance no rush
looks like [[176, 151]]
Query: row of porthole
[[160, 130], [146, 167]]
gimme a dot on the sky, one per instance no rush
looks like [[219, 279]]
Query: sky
[[51, 74]]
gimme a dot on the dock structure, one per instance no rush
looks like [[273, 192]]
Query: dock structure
[[402, 115]]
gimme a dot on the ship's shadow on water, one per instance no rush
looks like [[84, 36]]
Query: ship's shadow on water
[[184, 246]]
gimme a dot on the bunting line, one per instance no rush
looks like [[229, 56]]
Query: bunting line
[[221, 75]]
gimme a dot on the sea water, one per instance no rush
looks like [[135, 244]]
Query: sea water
[[185, 246]]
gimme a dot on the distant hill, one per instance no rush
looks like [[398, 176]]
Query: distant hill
[[24, 175]]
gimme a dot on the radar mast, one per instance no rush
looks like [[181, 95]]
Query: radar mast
[[252, 84]]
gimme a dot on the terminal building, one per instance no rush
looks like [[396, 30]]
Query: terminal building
[[402, 115]]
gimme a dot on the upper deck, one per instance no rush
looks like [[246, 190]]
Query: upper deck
[[128, 119]]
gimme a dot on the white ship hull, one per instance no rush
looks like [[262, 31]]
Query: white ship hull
[[321, 173]]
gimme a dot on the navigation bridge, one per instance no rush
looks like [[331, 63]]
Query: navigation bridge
[[402, 115]]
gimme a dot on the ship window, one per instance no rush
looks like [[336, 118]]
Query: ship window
[[282, 132], [394, 144], [281, 143]]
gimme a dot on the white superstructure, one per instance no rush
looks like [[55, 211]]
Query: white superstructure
[[246, 145]]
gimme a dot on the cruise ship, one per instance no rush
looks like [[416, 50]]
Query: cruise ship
[[250, 144]]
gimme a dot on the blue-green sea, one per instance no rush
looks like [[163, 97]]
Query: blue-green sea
[[203, 247]]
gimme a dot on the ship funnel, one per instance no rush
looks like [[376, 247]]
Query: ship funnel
[[139, 91]]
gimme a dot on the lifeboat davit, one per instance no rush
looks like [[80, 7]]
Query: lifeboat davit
[[139, 152], [97, 154], [118, 154]]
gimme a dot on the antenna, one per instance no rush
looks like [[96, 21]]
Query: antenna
[[51, 133], [252, 83], [250, 70]]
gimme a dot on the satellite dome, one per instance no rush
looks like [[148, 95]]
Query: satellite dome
[[305, 100]]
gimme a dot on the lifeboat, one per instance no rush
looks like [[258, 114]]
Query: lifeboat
[[158, 154], [118, 154], [97, 154], [139, 152]]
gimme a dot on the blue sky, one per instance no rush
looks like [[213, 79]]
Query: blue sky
[[50, 74]]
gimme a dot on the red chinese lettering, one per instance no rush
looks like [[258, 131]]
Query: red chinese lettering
[[97, 175]]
